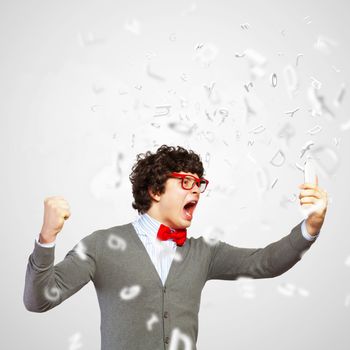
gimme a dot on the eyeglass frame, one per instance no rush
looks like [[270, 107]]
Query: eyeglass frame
[[197, 180]]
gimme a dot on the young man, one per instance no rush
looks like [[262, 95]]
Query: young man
[[148, 275]]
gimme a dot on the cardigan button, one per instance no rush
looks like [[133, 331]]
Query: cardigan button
[[166, 314], [166, 340]]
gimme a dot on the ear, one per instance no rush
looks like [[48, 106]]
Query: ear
[[154, 195]]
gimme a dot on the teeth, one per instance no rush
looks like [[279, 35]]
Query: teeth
[[191, 202]]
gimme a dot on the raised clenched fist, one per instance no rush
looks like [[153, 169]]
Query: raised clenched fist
[[56, 211]]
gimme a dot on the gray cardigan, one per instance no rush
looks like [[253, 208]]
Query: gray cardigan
[[137, 311]]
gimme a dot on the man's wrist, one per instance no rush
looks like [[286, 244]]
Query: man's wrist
[[311, 230], [46, 238], [306, 234]]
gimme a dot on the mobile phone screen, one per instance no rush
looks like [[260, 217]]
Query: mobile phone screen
[[309, 171]]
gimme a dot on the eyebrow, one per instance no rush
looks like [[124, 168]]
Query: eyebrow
[[198, 178]]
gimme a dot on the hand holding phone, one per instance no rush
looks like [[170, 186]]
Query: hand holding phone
[[309, 178]]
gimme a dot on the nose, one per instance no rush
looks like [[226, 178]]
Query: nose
[[195, 188]]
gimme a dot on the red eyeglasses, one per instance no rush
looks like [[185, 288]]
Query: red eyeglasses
[[188, 181]]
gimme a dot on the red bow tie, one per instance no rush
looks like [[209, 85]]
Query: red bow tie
[[178, 236]]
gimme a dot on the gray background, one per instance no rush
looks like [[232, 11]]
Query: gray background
[[82, 89]]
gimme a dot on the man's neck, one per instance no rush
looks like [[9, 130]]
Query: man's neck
[[155, 216]]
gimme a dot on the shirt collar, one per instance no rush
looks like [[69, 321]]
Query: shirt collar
[[148, 225]]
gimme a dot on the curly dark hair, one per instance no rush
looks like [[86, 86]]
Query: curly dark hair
[[151, 169]]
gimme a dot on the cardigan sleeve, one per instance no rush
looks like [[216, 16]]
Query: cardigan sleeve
[[229, 262], [47, 285]]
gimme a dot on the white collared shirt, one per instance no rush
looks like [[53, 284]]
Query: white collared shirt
[[160, 252]]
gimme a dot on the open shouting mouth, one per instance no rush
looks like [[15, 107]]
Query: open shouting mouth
[[189, 208]]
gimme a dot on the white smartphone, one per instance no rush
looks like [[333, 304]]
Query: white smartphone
[[309, 177], [309, 171]]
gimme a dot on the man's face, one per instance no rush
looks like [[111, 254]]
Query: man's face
[[169, 207]]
